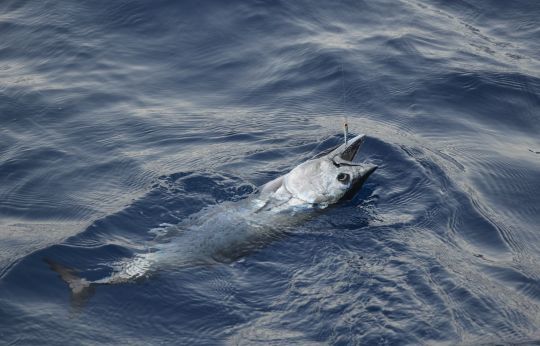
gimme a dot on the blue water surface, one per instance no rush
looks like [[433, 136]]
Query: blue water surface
[[122, 118]]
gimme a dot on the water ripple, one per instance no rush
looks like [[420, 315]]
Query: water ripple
[[122, 120]]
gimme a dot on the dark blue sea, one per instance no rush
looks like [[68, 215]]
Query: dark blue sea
[[119, 119]]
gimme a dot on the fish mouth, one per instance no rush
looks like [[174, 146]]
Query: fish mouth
[[346, 153], [365, 171], [351, 147]]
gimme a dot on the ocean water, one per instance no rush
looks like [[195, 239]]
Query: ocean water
[[121, 118]]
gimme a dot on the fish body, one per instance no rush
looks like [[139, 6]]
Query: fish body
[[223, 232]]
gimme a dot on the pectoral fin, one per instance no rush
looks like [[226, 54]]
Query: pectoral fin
[[272, 186]]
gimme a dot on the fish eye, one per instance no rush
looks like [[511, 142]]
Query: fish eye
[[343, 177]]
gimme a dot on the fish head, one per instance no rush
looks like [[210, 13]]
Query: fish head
[[327, 178]]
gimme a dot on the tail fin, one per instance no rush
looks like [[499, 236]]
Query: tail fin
[[81, 289]]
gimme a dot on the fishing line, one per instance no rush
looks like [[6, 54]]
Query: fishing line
[[345, 117]]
